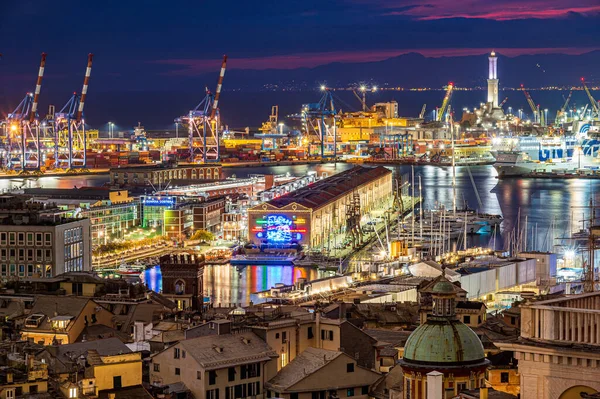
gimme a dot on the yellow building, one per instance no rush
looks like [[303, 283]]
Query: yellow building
[[321, 373], [114, 371], [15, 383], [60, 319]]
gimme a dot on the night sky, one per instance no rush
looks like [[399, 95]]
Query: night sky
[[152, 45]]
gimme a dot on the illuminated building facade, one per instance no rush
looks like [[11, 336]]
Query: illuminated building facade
[[310, 215]]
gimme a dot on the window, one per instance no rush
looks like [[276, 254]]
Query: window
[[310, 333], [212, 377], [276, 335], [231, 374], [12, 238], [331, 335], [293, 396], [183, 354], [156, 367], [461, 386], [350, 392], [3, 238], [284, 337], [176, 353], [38, 239], [504, 378], [198, 375], [21, 238], [48, 239], [364, 390], [212, 394], [319, 395], [10, 393], [177, 371], [29, 238], [33, 389], [513, 320], [466, 319], [350, 368], [117, 382]]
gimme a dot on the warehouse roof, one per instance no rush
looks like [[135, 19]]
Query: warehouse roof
[[327, 190]]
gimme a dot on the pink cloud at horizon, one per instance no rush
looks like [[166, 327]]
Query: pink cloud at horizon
[[496, 10], [311, 60]]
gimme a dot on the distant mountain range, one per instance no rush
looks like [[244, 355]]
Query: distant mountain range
[[416, 70]]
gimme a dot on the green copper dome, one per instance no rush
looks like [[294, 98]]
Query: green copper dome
[[440, 342], [443, 287]]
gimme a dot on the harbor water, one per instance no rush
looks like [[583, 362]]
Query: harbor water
[[546, 202]]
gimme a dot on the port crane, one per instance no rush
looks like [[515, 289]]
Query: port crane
[[22, 130], [363, 99], [315, 115], [537, 116], [593, 102], [561, 112], [444, 107], [204, 124], [70, 141], [422, 114], [503, 102]]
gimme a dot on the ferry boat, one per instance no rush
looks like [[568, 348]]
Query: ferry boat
[[518, 163]]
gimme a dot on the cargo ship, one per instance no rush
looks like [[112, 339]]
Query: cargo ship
[[518, 163]]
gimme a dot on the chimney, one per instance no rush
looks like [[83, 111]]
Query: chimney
[[435, 385], [318, 328], [112, 395], [483, 393]]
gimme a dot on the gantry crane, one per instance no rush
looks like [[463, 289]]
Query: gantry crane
[[315, 115], [444, 107], [537, 117], [204, 124], [70, 142], [22, 130], [561, 112], [503, 102], [593, 102]]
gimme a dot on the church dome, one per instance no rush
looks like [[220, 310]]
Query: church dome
[[441, 342]]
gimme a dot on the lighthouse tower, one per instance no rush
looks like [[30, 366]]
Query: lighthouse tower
[[492, 97]]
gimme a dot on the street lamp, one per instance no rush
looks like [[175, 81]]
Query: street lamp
[[110, 129]]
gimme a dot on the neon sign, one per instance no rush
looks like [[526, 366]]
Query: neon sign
[[159, 201], [278, 229]]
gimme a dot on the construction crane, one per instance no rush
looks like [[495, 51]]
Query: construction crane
[[503, 102], [315, 115], [422, 114], [204, 124], [363, 99], [70, 141], [561, 112], [593, 102], [534, 109], [444, 107], [22, 130]]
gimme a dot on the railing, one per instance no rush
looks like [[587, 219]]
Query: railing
[[571, 320]]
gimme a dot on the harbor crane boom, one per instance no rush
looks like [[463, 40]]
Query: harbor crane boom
[[203, 124], [593, 101], [561, 112], [534, 109], [444, 107], [503, 102]]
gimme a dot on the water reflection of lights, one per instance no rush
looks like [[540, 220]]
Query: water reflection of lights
[[225, 284]]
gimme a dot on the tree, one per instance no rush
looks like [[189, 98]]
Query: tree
[[203, 235]]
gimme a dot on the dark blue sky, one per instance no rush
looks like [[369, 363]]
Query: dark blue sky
[[157, 45]]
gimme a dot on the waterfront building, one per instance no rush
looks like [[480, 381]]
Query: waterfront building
[[444, 346], [558, 351], [313, 215], [156, 175], [233, 227], [208, 214], [111, 212], [321, 373], [170, 216], [217, 366], [38, 241], [182, 275]]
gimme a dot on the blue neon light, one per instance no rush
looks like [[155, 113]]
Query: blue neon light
[[278, 228], [166, 202]]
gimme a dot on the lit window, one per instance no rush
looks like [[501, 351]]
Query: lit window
[[72, 392]]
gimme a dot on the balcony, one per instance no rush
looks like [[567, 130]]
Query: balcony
[[574, 320]]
